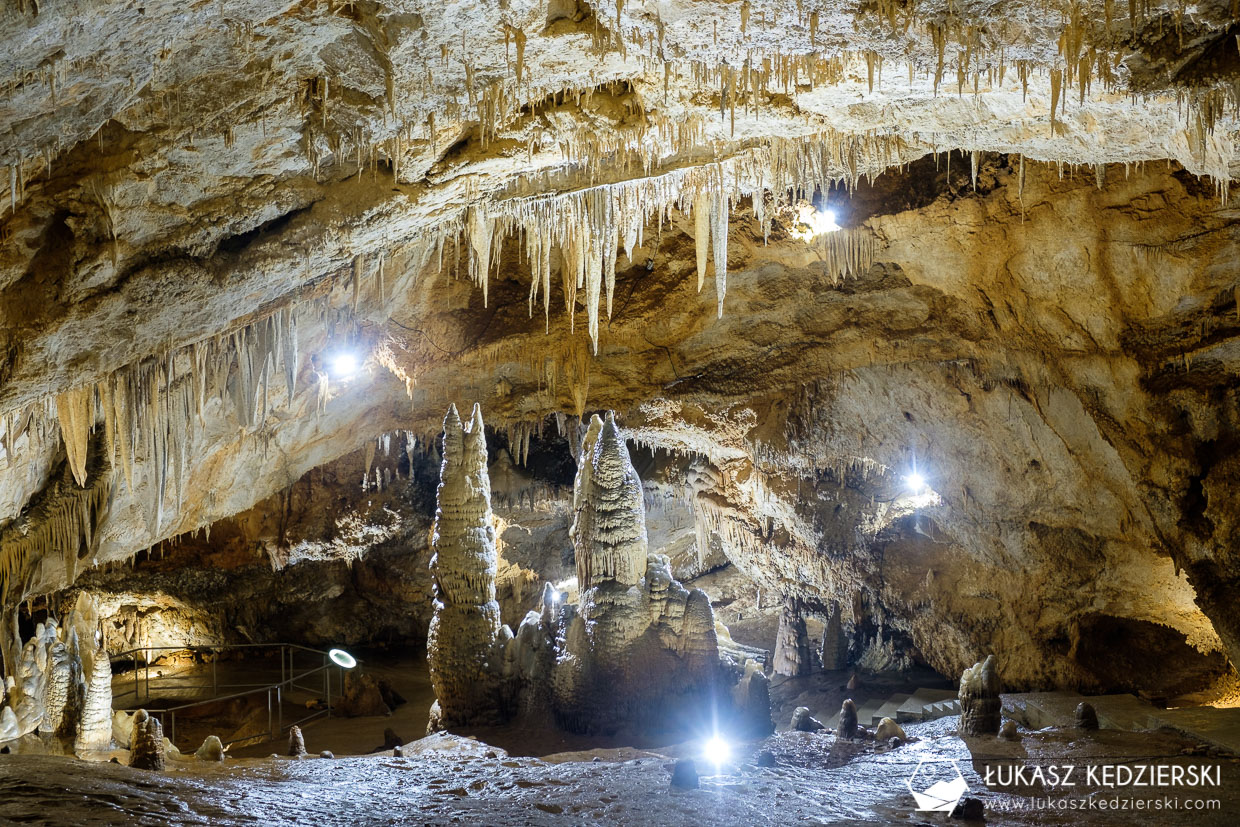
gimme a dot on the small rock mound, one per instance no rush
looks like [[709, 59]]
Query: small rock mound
[[684, 774], [802, 721], [212, 749], [888, 729], [1086, 716]]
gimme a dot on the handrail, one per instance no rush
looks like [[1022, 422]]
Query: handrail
[[288, 679]]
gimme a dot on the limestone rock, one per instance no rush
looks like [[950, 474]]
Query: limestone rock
[[888, 729], [752, 698], [684, 774], [802, 721], [212, 749], [148, 743], [792, 649], [969, 809], [296, 742], [980, 706], [1086, 716], [847, 727], [362, 696]]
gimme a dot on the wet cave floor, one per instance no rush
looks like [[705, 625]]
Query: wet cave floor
[[446, 779]]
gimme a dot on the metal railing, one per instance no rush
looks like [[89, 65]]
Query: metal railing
[[289, 678]]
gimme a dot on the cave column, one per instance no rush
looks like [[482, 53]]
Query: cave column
[[792, 649]]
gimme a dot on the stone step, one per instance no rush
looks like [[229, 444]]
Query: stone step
[[942, 709], [867, 710], [1038, 710], [890, 709], [1124, 712], [914, 709]]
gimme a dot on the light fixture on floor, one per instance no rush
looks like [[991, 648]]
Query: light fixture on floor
[[342, 658]]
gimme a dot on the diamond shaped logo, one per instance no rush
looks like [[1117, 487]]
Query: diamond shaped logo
[[937, 785]]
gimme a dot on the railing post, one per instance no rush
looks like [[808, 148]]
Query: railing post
[[327, 687], [282, 663], [279, 709], [270, 734], [172, 730]]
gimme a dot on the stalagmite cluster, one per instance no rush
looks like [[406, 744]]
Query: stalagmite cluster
[[638, 651], [61, 683]]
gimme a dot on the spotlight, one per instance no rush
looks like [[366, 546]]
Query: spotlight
[[556, 597], [812, 223], [823, 221], [716, 751], [344, 364], [342, 658], [916, 482]]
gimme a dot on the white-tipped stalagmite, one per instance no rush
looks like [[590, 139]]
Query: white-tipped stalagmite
[[609, 534], [465, 624]]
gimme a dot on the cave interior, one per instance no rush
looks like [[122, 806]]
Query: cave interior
[[667, 411]]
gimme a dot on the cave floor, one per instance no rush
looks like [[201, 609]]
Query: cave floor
[[447, 779]]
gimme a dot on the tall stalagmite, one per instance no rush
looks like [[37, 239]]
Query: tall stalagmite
[[609, 535], [465, 627], [792, 649], [639, 651]]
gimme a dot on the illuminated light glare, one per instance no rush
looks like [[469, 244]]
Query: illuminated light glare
[[916, 482], [344, 365], [716, 751], [812, 223], [342, 658], [556, 597]]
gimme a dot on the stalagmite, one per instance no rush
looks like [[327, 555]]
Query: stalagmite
[[465, 626], [95, 729], [792, 649], [847, 727], [147, 743], [980, 707], [834, 651], [296, 742], [609, 534]]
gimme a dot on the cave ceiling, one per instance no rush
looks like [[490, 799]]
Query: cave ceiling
[[556, 207]]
